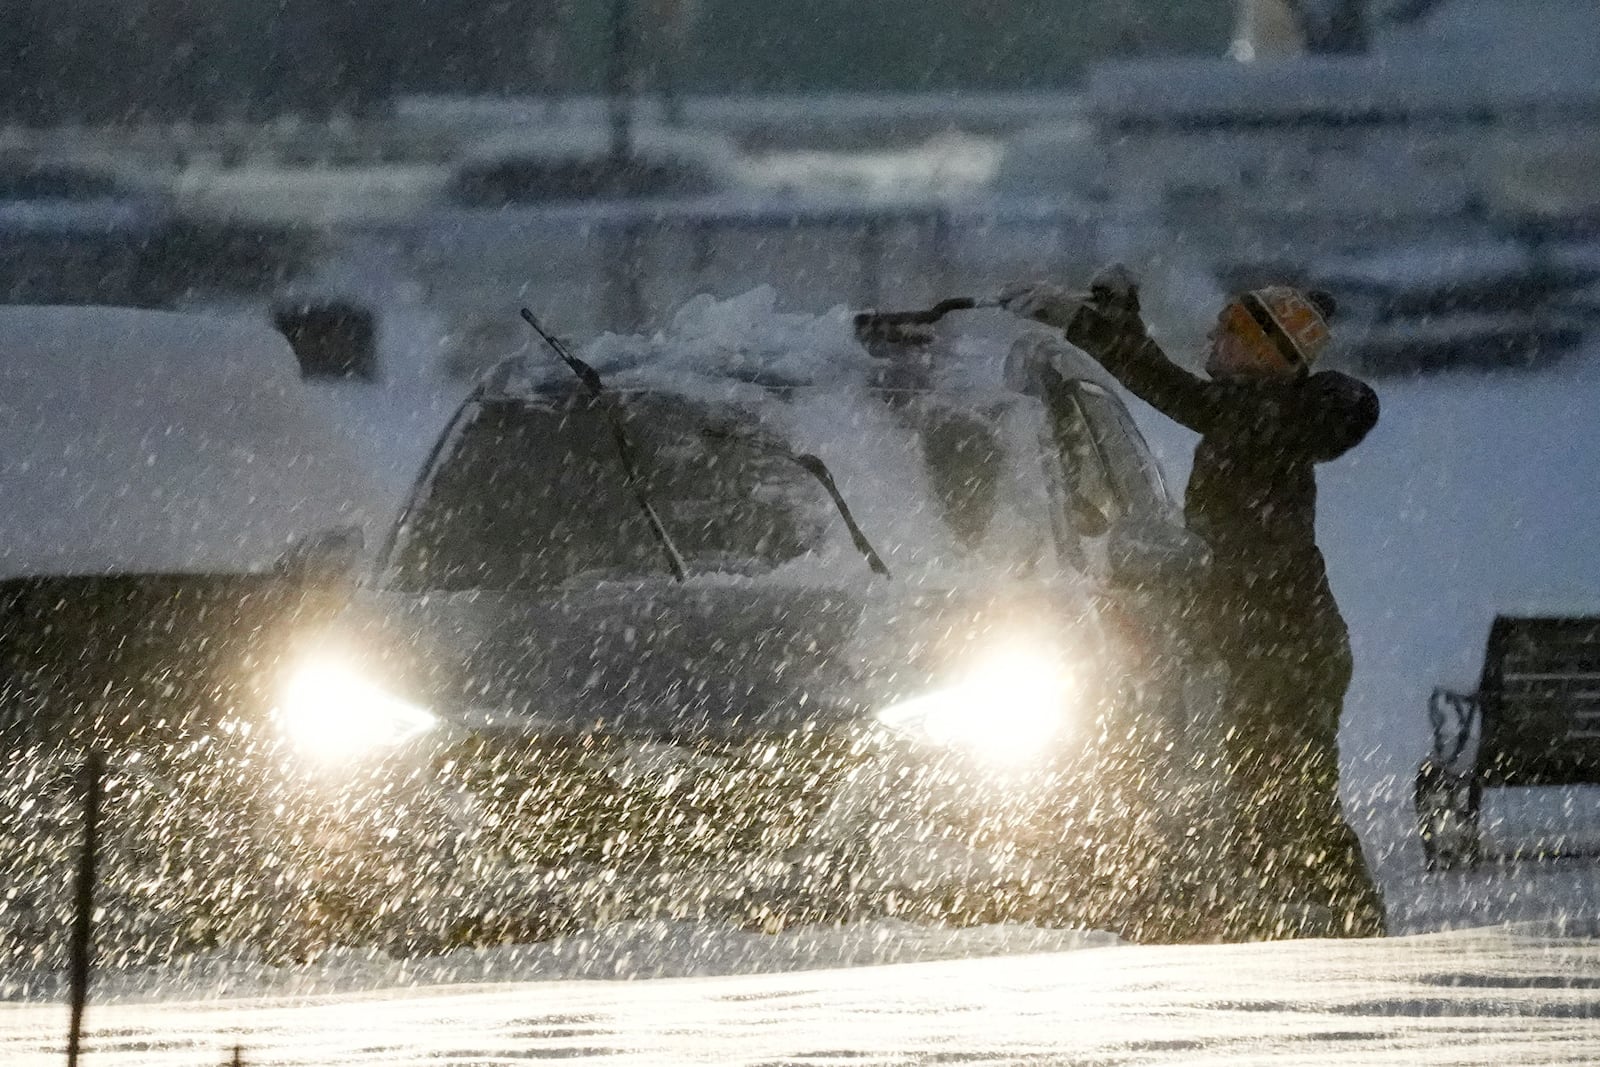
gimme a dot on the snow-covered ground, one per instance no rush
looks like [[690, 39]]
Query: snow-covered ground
[[1486, 997]]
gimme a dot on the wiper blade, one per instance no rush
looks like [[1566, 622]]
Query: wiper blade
[[813, 466], [619, 436]]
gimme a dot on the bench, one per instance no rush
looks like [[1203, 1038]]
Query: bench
[[1534, 721]]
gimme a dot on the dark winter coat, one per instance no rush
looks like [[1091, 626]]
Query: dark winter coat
[[1265, 607], [1252, 492]]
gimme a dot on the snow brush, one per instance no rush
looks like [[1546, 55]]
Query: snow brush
[[619, 436], [886, 325]]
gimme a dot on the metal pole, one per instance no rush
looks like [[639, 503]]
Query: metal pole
[[94, 771], [940, 249], [619, 79], [870, 251]]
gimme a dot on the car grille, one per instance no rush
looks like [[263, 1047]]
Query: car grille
[[620, 801]]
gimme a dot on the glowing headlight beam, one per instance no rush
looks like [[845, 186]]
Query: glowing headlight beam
[[330, 714], [1008, 709]]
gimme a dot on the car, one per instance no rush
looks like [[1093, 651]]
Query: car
[[740, 638], [161, 544], [235, 481]]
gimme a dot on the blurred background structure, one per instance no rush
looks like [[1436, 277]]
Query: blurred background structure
[[129, 60], [425, 167]]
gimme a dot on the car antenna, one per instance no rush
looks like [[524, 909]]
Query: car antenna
[[813, 466], [619, 435]]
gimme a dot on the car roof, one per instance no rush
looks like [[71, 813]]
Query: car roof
[[707, 363]]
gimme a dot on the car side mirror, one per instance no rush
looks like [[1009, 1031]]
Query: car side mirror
[[323, 558], [1155, 555]]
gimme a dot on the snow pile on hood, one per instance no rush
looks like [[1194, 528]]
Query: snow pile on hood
[[142, 441], [745, 338]]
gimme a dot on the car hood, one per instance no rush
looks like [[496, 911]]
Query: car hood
[[702, 659]]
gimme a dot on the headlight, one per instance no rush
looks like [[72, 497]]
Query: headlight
[[1008, 709], [331, 714]]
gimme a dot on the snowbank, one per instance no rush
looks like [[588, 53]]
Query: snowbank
[[150, 441]]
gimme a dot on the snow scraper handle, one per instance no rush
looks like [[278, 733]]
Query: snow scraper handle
[[619, 435], [867, 321]]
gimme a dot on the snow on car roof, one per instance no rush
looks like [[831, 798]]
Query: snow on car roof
[[745, 338], [152, 441], [711, 346]]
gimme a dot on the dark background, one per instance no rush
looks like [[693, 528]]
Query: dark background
[[132, 60]]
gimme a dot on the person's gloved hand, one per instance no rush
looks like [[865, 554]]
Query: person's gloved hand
[[1109, 310], [1044, 302], [1114, 292], [1111, 317]]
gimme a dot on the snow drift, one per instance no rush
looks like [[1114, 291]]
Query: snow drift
[[159, 442]]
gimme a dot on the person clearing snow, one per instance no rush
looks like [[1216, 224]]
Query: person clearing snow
[[1292, 865]]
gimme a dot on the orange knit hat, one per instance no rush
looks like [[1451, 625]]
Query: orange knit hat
[[1289, 327]]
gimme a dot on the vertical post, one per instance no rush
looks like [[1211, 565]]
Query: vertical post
[[669, 31], [619, 79], [871, 251], [940, 251], [626, 248], [94, 771], [702, 249]]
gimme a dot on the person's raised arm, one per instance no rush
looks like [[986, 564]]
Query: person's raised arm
[[1105, 323], [1320, 416]]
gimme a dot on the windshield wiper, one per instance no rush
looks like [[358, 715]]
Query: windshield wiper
[[619, 435], [807, 462], [813, 466]]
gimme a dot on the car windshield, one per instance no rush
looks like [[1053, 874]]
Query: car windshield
[[530, 494]]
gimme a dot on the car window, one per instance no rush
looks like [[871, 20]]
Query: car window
[[1092, 497], [1122, 454], [964, 458], [984, 479], [531, 495]]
